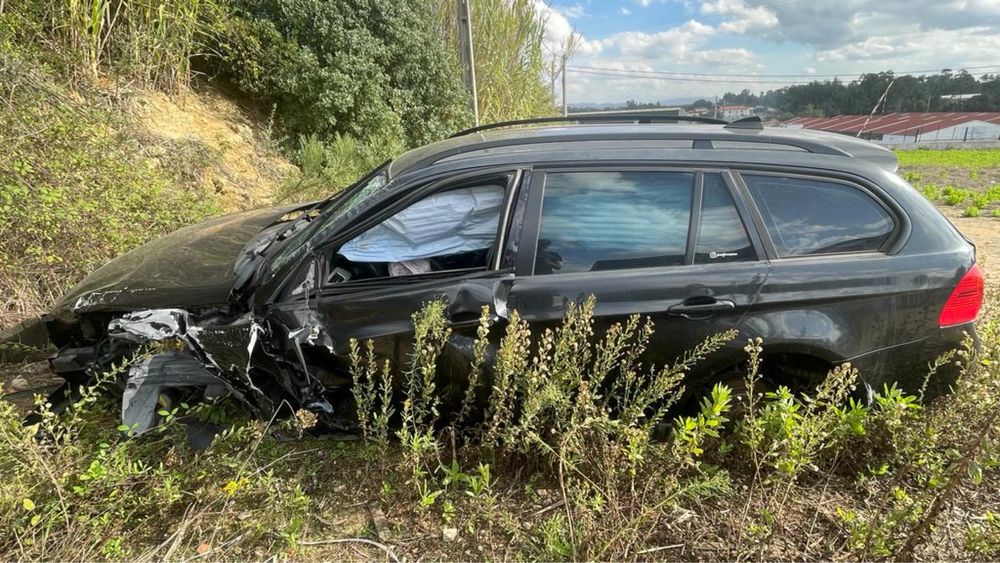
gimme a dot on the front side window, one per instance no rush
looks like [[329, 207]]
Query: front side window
[[449, 230], [593, 221], [807, 217]]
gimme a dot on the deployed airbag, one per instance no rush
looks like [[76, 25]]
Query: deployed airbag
[[451, 222]]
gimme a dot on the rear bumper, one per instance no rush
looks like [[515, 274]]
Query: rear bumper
[[908, 365]]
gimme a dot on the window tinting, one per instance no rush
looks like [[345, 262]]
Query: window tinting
[[816, 217], [595, 221], [721, 234]]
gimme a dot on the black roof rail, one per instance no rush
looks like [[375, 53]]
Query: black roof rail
[[602, 117], [752, 123], [807, 144]]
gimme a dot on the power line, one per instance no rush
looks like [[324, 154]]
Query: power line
[[655, 73], [578, 70]]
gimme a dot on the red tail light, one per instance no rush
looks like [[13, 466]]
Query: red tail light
[[966, 299]]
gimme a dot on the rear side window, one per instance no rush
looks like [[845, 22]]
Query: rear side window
[[593, 221], [806, 217], [722, 237]]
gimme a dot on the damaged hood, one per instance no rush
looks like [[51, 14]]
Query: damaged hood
[[191, 267]]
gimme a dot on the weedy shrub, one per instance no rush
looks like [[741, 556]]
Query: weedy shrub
[[582, 407], [578, 411], [983, 535], [76, 486], [935, 451], [952, 196], [373, 394]]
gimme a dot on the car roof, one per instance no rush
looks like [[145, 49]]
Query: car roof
[[707, 142]]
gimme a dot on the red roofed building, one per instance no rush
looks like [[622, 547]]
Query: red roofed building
[[909, 127]]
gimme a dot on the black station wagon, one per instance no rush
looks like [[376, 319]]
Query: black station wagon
[[807, 239]]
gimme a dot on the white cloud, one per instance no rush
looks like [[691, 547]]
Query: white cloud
[[574, 11], [831, 24], [926, 49], [558, 29], [742, 18], [677, 42], [809, 36], [741, 60]]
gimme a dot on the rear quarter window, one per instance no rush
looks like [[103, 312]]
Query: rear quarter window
[[806, 216]]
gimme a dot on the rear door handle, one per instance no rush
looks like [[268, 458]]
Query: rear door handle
[[468, 318], [701, 308]]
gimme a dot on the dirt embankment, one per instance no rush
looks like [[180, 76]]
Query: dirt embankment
[[234, 157]]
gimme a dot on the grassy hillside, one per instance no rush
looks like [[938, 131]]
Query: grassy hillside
[[88, 173]]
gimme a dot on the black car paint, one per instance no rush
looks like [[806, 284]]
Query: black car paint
[[875, 309], [191, 267]]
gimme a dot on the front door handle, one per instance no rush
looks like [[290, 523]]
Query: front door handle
[[701, 307]]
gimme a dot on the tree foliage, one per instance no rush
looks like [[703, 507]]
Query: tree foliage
[[908, 93], [371, 69]]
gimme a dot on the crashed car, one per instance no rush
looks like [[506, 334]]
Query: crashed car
[[809, 240]]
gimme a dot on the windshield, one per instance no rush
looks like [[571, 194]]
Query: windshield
[[333, 213]]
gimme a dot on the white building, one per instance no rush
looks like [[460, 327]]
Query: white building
[[731, 113]]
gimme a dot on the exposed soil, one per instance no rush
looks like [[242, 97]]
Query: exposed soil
[[242, 170], [984, 232]]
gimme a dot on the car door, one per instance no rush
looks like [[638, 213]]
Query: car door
[[835, 290], [664, 243], [408, 260]]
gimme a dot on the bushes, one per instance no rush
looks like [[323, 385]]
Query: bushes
[[581, 412], [371, 69]]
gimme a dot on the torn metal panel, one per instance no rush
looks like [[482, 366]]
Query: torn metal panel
[[330, 320], [152, 376], [150, 326], [221, 349]]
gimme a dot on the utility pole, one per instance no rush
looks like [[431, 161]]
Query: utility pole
[[553, 74], [565, 107], [715, 114], [569, 48], [468, 58]]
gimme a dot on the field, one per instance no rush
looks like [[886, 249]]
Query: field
[[568, 475], [966, 187], [968, 180]]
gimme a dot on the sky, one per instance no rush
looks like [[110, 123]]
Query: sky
[[761, 44]]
